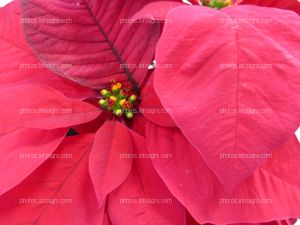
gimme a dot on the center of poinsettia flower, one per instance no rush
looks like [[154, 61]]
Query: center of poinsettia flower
[[120, 101], [217, 4]]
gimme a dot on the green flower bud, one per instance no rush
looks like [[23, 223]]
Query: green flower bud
[[217, 4], [118, 112], [132, 99], [103, 103], [105, 93], [129, 114]]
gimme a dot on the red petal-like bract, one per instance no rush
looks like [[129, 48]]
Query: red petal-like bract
[[293, 5], [107, 169], [18, 65], [152, 108], [58, 192], [281, 222], [156, 10], [106, 220], [271, 193], [96, 38], [42, 107], [143, 198], [223, 110], [20, 156], [220, 112]]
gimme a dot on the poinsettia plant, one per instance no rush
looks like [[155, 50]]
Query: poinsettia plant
[[124, 112]]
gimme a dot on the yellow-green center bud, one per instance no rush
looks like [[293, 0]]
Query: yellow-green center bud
[[118, 112], [113, 98], [105, 93], [129, 114], [217, 4], [122, 102], [132, 99], [103, 103]]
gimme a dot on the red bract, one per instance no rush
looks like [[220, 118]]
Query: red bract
[[13, 97], [15, 148], [107, 170], [271, 193], [293, 5], [222, 106], [198, 111], [64, 180], [96, 37], [139, 194], [47, 110], [212, 104], [20, 66]]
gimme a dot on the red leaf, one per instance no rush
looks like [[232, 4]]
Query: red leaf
[[18, 65], [209, 101], [125, 204], [41, 107], [94, 37], [63, 183], [185, 173], [106, 220], [157, 10], [10, 18], [107, 169], [21, 156], [152, 108], [271, 193], [190, 220], [282, 222], [293, 5]]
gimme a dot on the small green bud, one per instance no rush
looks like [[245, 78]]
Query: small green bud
[[132, 99], [118, 112], [217, 4], [103, 103], [105, 93], [129, 114]]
